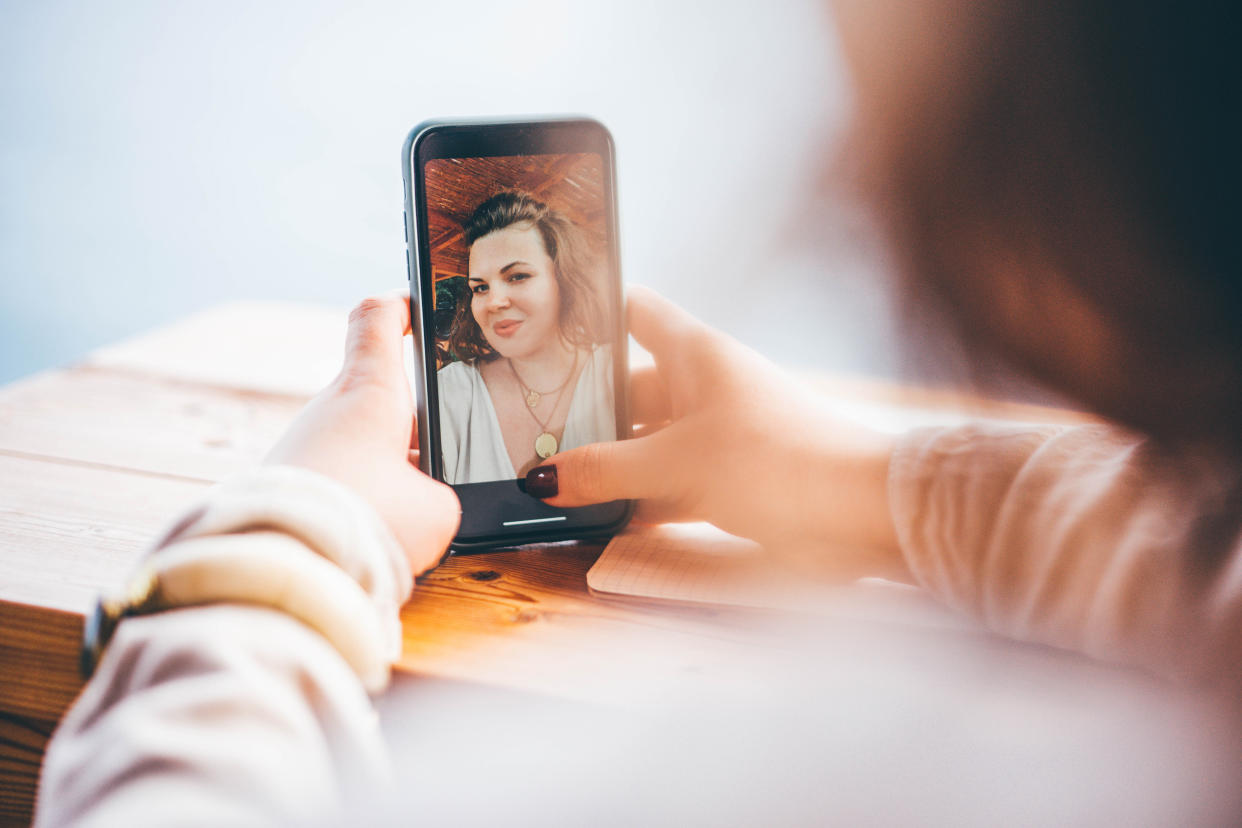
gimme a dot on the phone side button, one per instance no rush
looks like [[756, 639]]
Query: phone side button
[[405, 226], [409, 274]]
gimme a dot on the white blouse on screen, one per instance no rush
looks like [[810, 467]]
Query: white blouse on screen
[[474, 450]]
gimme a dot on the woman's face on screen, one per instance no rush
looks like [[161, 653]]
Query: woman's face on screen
[[514, 295]]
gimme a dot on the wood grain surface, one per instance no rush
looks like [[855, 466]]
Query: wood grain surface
[[128, 421], [96, 459], [22, 741]]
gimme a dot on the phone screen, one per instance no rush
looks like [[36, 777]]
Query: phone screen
[[519, 279]]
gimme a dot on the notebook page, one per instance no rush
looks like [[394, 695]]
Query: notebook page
[[693, 562], [699, 564]]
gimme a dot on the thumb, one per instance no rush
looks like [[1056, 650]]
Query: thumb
[[600, 472], [375, 340], [656, 323]]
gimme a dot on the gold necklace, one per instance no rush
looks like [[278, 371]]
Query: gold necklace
[[546, 444], [532, 396]]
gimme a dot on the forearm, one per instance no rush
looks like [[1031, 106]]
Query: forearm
[[845, 496], [1065, 537], [829, 493], [232, 712], [221, 715]]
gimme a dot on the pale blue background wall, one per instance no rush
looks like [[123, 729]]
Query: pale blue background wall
[[159, 157]]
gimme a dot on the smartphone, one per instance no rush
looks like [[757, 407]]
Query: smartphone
[[516, 307]]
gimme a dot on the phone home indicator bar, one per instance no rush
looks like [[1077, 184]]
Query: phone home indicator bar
[[532, 520]]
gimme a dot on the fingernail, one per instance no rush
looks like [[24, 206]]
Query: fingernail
[[541, 482]]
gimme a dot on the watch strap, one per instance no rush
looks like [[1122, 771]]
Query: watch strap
[[268, 569]]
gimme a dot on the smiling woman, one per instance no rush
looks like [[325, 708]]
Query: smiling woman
[[532, 364]]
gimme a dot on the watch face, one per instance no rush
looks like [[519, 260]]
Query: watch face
[[141, 595]]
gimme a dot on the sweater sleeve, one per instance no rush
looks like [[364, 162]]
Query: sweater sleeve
[[234, 714], [1065, 537]]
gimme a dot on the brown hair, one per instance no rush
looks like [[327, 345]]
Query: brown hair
[[1082, 167], [583, 321]]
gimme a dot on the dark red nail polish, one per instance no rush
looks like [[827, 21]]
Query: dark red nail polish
[[541, 482]]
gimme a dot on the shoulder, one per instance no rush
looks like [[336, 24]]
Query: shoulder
[[602, 362], [458, 383], [597, 367], [601, 356], [457, 375], [457, 371]]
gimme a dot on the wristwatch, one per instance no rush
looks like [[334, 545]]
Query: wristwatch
[[139, 597], [258, 568]]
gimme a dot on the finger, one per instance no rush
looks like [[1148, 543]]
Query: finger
[[431, 514], [657, 324], [600, 472], [649, 399], [646, 429], [658, 511], [375, 339]]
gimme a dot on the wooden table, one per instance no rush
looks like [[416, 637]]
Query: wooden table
[[96, 458]]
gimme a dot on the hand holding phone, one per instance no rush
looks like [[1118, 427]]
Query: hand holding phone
[[520, 340], [357, 431], [729, 438]]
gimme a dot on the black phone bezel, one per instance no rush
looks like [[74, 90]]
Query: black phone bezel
[[495, 503]]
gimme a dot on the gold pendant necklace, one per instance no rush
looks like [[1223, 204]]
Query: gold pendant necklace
[[546, 444], [532, 396]]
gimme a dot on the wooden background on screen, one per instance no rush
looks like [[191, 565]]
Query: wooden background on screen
[[572, 184]]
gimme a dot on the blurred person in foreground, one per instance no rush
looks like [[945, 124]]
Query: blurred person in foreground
[[1059, 181]]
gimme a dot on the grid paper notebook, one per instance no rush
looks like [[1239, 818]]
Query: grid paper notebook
[[699, 564]]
